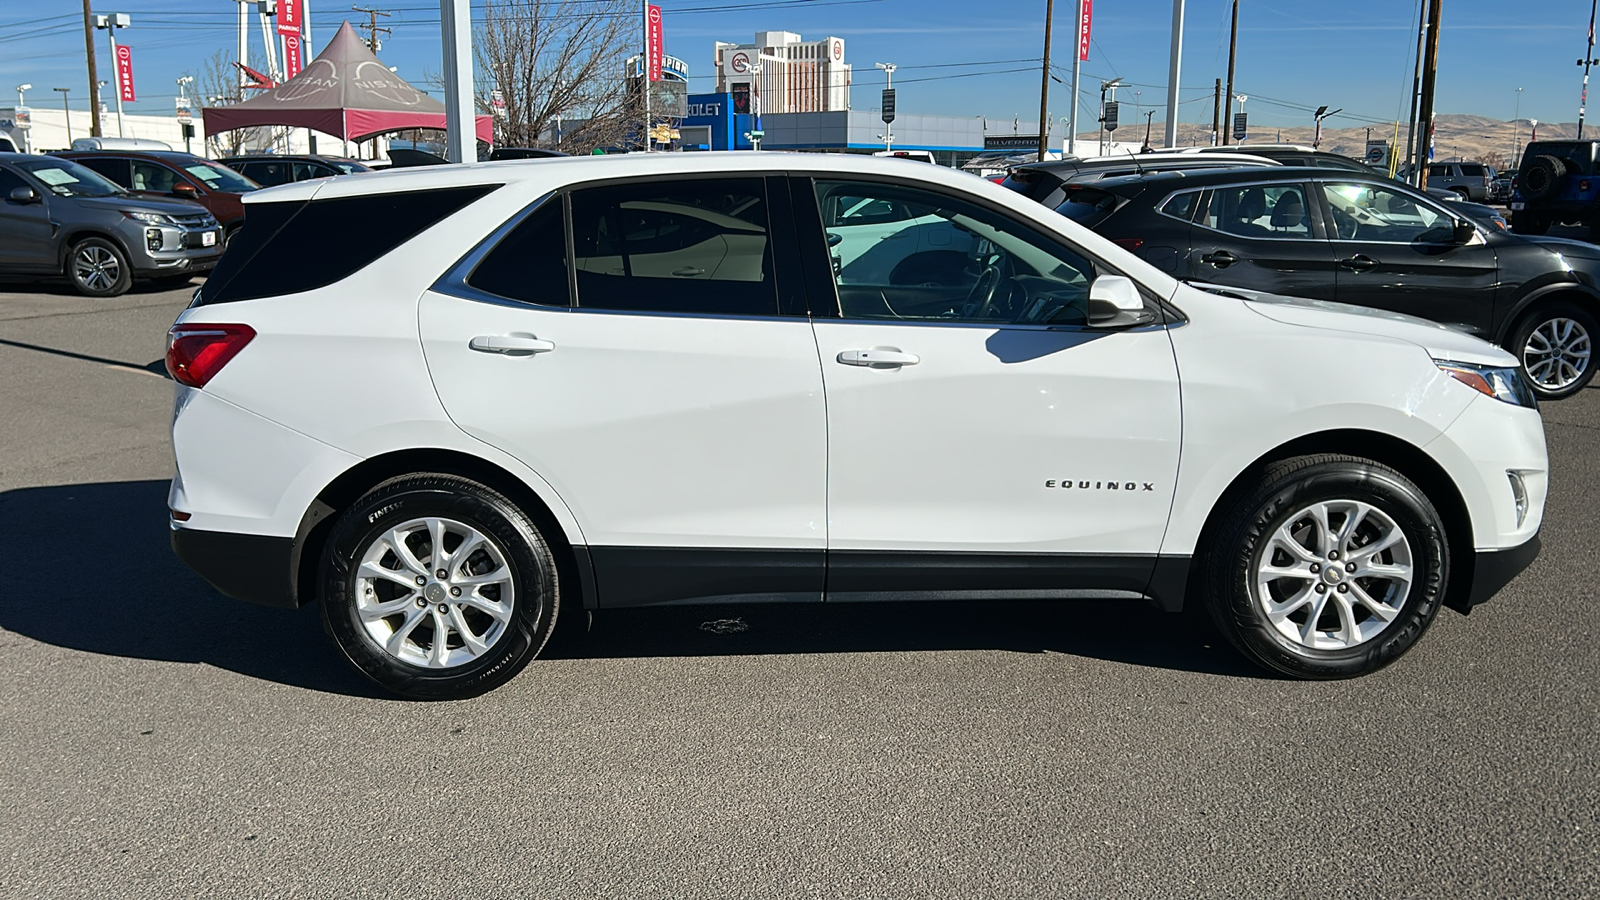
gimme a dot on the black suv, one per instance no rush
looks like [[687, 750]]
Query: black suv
[[1557, 182], [1365, 240], [272, 169]]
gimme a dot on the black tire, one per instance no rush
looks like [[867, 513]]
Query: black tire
[[1532, 358], [98, 268], [527, 559], [1542, 177], [1526, 222], [1243, 535], [1462, 194]]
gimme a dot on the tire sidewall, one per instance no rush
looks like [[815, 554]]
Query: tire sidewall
[[1530, 322], [1247, 624], [527, 555], [124, 274]]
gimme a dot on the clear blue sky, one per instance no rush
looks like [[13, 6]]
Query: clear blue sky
[[956, 57]]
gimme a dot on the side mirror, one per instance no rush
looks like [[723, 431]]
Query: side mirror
[[183, 189], [1114, 302], [835, 239], [24, 194], [1463, 231]]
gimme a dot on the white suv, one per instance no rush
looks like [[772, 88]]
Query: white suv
[[490, 393]]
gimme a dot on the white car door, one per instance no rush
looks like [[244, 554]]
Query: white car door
[[987, 439], [676, 412]]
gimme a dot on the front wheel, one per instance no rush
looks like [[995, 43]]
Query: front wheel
[[98, 268], [437, 587], [1555, 344], [1327, 567]]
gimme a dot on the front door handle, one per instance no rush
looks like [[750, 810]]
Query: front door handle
[[1359, 263], [510, 344], [688, 272], [1220, 258], [878, 358]]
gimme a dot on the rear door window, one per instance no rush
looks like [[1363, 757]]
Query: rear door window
[[114, 168], [1260, 210], [696, 246]]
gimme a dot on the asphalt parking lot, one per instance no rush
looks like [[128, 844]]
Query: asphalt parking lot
[[160, 740]]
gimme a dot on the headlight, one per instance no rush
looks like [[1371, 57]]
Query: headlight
[[147, 218], [1506, 385]]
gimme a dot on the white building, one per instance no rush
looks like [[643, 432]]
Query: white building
[[794, 75]]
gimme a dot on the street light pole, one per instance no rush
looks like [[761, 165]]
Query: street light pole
[[1516, 134], [1319, 115], [888, 127], [66, 111], [1112, 87], [22, 103], [111, 23]]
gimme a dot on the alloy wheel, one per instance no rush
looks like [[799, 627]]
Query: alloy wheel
[[1333, 575], [96, 268], [434, 592], [1557, 353]]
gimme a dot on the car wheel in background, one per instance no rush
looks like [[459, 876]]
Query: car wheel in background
[[437, 587], [98, 268], [1326, 567], [1542, 177], [1555, 343]]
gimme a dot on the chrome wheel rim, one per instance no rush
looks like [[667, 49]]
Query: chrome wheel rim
[[1333, 575], [434, 592], [1557, 353], [96, 268]]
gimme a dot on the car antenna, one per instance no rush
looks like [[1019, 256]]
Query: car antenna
[[1137, 169]]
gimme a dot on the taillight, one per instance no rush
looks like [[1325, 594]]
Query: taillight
[[1129, 244], [197, 351], [1583, 185]]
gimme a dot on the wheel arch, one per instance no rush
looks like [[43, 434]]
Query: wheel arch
[[1567, 290], [1400, 455], [317, 522], [72, 237]]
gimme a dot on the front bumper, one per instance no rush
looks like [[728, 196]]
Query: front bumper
[[171, 249], [1494, 569], [253, 567]]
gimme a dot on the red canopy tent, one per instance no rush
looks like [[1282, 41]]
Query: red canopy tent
[[345, 92]]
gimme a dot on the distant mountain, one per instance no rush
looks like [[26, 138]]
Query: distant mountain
[[1455, 136]]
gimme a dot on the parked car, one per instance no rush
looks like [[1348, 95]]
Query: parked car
[[59, 218], [6, 146], [916, 155], [1470, 180], [1045, 182], [1557, 183], [119, 143], [1288, 155], [341, 428], [498, 153], [1365, 240], [155, 173], [1501, 187], [272, 169]]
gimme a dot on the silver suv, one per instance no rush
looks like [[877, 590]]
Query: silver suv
[[59, 218], [1471, 180]]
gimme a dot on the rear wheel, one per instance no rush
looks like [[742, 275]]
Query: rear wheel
[[1327, 567], [438, 588], [1555, 343], [98, 268], [1542, 177]]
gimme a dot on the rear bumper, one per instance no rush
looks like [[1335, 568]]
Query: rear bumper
[[1494, 569], [252, 567]]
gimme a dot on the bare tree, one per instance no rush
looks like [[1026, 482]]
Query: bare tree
[[558, 61], [217, 84]]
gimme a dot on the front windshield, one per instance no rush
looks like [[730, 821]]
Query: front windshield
[[218, 178], [65, 178]]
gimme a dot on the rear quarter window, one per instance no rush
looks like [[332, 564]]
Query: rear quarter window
[[291, 247], [1088, 206]]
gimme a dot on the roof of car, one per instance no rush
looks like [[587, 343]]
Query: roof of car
[[1232, 174], [1164, 160], [172, 156], [275, 157]]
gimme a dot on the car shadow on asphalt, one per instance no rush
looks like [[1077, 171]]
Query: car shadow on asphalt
[[119, 590]]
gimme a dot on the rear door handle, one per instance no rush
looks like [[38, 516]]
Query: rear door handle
[[1359, 263], [1220, 258], [878, 358], [510, 344]]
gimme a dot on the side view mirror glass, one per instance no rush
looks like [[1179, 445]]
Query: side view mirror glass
[[1114, 302], [24, 195]]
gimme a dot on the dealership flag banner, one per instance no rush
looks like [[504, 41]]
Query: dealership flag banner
[[125, 73], [289, 13], [654, 43], [291, 56], [1083, 30]]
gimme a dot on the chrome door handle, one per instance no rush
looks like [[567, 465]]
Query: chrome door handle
[[1359, 263], [1221, 259], [510, 344], [878, 358], [688, 272]]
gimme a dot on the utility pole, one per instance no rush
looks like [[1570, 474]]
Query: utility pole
[[94, 77], [1233, 50], [1516, 133], [66, 111], [1173, 70], [1044, 78], [1430, 72], [372, 26], [1416, 94], [1588, 59], [1216, 113], [1070, 148]]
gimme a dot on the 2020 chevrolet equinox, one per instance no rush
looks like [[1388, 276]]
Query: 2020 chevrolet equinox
[[524, 388]]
